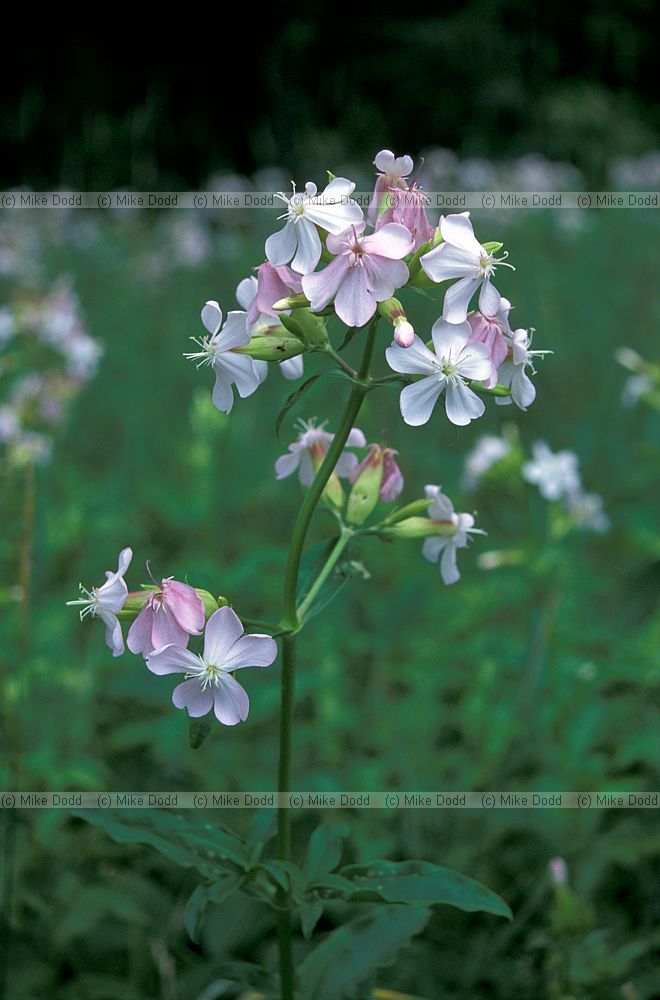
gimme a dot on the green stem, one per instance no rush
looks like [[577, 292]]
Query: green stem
[[342, 542], [337, 358], [290, 622]]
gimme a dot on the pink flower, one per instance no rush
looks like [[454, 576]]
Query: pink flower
[[393, 170], [210, 682], [258, 295], [408, 208], [306, 454], [366, 270], [489, 332], [171, 615]]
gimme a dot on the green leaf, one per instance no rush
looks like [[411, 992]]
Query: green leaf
[[324, 850], [313, 561], [294, 398], [350, 333], [336, 967], [209, 849], [311, 911], [198, 730], [421, 883], [337, 883], [261, 830], [202, 896]]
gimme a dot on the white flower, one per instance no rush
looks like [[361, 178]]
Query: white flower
[[587, 510], [462, 256], [555, 473], [106, 601], [488, 450], [455, 360], [209, 678], [218, 351], [307, 453], [299, 241], [444, 547], [513, 372]]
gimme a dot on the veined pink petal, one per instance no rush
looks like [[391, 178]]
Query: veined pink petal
[[474, 363], [489, 299], [384, 276], [450, 339], [165, 629], [457, 299], [241, 370], [252, 650], [223, 395], [235, 332], [223, 629], [230, 701], [113, 634], [212, 316], [281, 246], [191, 696], [457, 229], [417, 400], [320, 288], [392, 240], [462, 404], [139, 634], [354, 304], [414, 360], [308, 253], [185, 604], [445, 262], [174, 660]]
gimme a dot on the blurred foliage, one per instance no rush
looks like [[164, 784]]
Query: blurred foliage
[[487, 78], [537, 676]]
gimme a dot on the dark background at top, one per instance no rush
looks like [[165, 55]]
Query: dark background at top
[[311, 89]]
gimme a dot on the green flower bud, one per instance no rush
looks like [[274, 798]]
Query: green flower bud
[[418, 527], [272, 347], [306, 325], [291, 302], [366, 488]]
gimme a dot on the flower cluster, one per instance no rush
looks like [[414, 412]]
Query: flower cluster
[[324, 260], [557, 476], [165, 616], [46, 357]]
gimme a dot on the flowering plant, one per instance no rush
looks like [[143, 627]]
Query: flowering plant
[[328, 260]]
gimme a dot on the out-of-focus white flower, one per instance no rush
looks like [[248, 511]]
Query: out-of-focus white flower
[[488, 450], [555, 473]]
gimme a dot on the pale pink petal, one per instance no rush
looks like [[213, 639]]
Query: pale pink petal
[[174, 660], [246, 292], [354, 304], [241, 370], [450, 339], [489, 299], [223, 396], [293, 368], [307, 471], [308, 253], [185, 604], [384, 276], [346, 465], [432, 547], [356, 438], [191, 696], [392, 240], [113, 635], [286, 465], [457, 299], [139, 634], [457, 229], [523, 390], [417, 400], [281, 246], [413, 360], [212, 316], [235, 332], [165, 630], [445, 262], [321, 288], [231, 703], [462, 404], [474, 363], [252, 650], [124, 562], [223, 629], [448, 567]]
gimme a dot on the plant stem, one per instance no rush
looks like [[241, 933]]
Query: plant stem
[[340, 545], [290, 622], [344, 365]]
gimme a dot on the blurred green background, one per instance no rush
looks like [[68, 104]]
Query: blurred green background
[[541, 675]]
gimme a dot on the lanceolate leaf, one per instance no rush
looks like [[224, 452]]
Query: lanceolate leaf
[[334, 969], [195, 911], [294, 398], [198, 730], [324, 851], [207, 847], [420, 883]]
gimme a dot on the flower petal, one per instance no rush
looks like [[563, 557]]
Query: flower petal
[[230, 701], [462, 404], [113, 635], [450, 339], [174, 660], [281, 246], [417, 400], [185, 604], [252, 650], [489, 299], [293, 368], [448, 567], [320, 288], [413, 360], [457, 299], [139, 634], [223, 394], [241, 370], [308, 253], [392, 240], [432, 547], [457, 230], [235, 332], [223, 629], [190, 695], [354, 304], [212, 316], [286, 465], [165, 629]]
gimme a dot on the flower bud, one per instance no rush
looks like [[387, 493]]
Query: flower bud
[[306, 325], [419, 527], [367, 478], [558, 871], [404, 333], [137, 599], [272, 347], [291, 302], [333, 494]]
